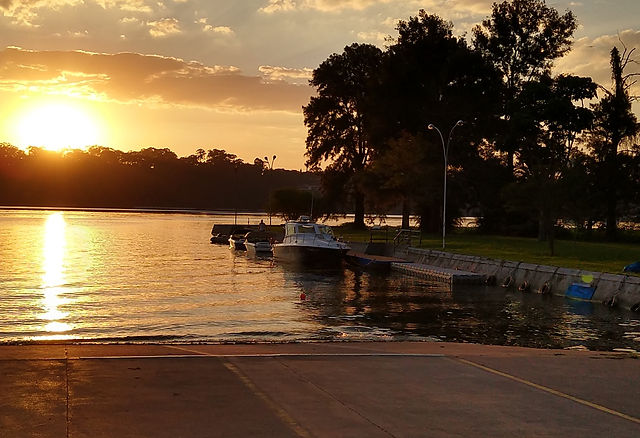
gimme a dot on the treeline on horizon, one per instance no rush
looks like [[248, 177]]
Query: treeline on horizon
[[149, 178], [534, 149]]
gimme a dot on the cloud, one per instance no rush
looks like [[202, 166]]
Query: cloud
[[138, 78], [591, 56], [466, 6], [218, 30], [274, 6], [28, 12], [129, 5], [164, 27], [373, 37], [25, 12], [294, 75]]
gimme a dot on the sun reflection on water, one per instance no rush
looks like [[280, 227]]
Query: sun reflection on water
[[53, 278]]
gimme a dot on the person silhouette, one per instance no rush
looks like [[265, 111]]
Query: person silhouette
[[262, 226]]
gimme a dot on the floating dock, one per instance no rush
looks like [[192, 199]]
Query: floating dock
[[442, 275], [372, 261]]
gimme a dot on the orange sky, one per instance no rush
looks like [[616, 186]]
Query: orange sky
[[188, 74]]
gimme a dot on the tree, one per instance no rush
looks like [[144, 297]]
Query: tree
[[615, 123], [522, 38], [291, 203], [404, 172], [551, 115], [337, 118], [428, 76]]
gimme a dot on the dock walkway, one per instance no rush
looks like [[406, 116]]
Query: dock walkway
[[385, 389], [439, 274]]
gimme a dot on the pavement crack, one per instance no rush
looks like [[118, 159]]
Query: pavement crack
[[333, 397]]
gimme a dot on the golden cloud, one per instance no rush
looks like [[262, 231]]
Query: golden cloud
[[467, 6], [164, 27], [272, 73], [319, 5], [24, 12], [134, 77]]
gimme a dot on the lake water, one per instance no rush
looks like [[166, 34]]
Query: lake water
[[141, 277]]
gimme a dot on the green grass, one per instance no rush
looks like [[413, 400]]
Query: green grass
[[591, 256]]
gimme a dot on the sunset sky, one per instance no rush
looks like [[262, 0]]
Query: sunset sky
[[188, 74]]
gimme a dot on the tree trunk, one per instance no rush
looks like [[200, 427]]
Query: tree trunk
[[358, 220], [611, 190], [406, 212], [612, 219]]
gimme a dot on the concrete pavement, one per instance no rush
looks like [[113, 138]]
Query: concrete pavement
[[317, 389]]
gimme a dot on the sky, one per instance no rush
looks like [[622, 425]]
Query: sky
[[232, 75]]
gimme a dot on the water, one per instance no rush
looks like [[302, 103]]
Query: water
[[141, 277]]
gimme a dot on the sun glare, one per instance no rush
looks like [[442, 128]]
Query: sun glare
[[56, 127]]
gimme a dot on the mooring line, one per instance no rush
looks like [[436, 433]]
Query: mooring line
[[549, 390]]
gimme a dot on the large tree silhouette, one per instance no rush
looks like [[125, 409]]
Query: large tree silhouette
[[614, 124], [521, 38], [337, 118]]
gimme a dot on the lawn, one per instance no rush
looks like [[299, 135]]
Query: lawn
[[591, 256]]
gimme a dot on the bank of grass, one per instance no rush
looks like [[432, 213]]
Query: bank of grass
[[590, 256]]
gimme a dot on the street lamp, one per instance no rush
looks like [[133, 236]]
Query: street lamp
[[445, 152], [270, 167]]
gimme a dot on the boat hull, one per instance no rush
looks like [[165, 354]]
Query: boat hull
[[308, 255], [258, 249]]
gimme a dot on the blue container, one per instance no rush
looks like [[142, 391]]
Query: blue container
[[580, 291]]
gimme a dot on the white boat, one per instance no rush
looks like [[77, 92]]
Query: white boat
[[306, 242], [258, 243], [236, 240]]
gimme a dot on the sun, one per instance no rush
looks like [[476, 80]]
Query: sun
[[57, 126]]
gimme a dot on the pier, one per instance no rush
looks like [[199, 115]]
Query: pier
[[439, 274], [387, 389]]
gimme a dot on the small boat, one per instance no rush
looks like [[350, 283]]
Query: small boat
[[258, 243], [237, 239], [309, 243]]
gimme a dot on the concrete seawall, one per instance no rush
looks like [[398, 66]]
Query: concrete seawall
[[623, 290]]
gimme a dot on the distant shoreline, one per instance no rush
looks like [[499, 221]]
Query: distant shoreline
[[136, 210]]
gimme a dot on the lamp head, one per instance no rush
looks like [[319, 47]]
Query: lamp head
[[460, 122], [431, 126], [266, 159]]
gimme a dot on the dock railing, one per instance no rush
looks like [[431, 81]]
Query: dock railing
[[379, 234], [407, 237]]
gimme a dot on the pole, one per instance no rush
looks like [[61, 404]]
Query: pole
[[235, 203], [270, 166], [445, 153]]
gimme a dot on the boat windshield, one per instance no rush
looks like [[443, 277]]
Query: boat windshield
[[306, 229], [325, 229]]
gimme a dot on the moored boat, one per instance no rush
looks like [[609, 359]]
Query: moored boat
[[309, 243], [258, 243], [237, 240]]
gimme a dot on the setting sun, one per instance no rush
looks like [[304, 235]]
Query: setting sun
[[57, 126]]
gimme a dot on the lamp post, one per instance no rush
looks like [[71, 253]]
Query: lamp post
[[445, 152], [270, 167]]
